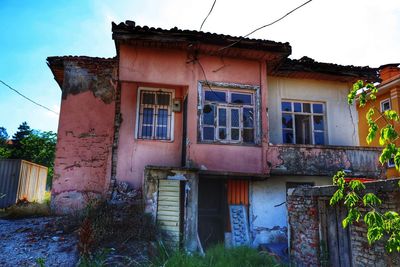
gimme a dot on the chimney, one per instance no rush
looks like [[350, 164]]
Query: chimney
[[388, 71]]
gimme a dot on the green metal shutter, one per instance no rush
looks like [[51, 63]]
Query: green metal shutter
[[169, 210]]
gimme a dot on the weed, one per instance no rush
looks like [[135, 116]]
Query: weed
[[41, 262], [217, 256], [28, 209]]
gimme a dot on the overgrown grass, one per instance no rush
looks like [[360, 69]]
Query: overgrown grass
[[217, 256]]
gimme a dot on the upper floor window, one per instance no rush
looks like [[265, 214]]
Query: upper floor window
[[303, 122], [385, 105], [154, 114], [228, 116]]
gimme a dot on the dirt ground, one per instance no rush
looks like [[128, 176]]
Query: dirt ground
[[26, 242]]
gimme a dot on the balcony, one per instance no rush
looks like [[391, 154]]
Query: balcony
[[289, 159]]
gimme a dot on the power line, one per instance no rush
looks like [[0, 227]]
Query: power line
[[212, 7], [27, 98], [266, 25]]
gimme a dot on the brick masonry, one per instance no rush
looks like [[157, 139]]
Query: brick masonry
[[304, 225]]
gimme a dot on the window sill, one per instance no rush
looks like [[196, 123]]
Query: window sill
[[228, 144], [154, 140]]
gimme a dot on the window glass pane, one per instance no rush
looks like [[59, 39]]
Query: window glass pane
[[241, 98], [148, 116], [248, 117], [287, 136], [234, 117], [147, 131], [297, 107], [162, 132], [319, 123], [286, 106], [319, 138], [248, 135], [215, 96], [307, 107], [208, 133], [222, 133], [148, 98], [287, 121], [208, 114], [222, 117], [163, 99], [318, 108], [385, 105], [235, 134], [162, 118]]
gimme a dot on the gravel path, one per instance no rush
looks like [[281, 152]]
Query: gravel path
[[24, 242]]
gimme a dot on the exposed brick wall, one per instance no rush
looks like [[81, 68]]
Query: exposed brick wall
[[304, 225], [304, 236]]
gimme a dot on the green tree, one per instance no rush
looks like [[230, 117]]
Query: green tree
[[363, 205], [5, 151], [23, 131]]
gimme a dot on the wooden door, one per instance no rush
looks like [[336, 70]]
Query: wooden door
[[335, 240]]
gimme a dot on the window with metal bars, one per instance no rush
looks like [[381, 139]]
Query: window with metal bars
[[155, 115], [228, 116]]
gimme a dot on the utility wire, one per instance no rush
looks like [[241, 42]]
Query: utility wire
[[212, 7], [27, 98], [266, 25]]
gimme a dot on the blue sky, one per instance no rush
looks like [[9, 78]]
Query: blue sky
[[358, 32]]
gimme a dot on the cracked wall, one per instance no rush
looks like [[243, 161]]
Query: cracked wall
[[318, 160], [85, 136]]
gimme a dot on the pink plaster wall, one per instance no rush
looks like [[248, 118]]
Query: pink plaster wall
[[170, 68], [84, 145]]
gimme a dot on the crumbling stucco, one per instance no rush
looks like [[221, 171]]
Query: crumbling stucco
[[80, 78], [324, 160]]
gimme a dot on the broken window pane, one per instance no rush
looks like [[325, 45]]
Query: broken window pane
[[287, 120], [297, 107], [215, 96], [319, 123], [287, 136], [248, 117], [208, 115], [148, 98], [234, 117], [163, 99], [303, 129], [319, 138], [222, 133], [147, 116], [162, 118], [222, 117], [208, 133], [248, 135], [318, 108], [306, 108], [235, 134], [241, 98], [286, 106]]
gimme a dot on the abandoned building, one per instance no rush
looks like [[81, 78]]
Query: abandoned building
[[213, 128]]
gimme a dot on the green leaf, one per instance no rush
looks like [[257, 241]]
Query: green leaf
[[371, 199], [356, 185], [337, 196]]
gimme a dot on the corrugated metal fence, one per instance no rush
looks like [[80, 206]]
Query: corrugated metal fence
[[21, 179]]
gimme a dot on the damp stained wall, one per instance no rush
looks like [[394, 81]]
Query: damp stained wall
[[168, 68], [341, 119], [268, 210]]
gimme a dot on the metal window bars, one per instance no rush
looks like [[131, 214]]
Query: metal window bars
[[155, 115]]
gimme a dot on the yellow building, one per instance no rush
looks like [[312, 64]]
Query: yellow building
[[388, 97]]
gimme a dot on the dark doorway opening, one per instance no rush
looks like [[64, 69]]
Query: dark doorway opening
[[212, 211]]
